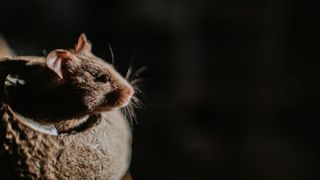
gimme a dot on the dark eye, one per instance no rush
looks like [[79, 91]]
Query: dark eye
[[103, 78]]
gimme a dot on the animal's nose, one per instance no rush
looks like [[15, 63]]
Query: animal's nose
[[128, 91], [120, 97], [124, 95]]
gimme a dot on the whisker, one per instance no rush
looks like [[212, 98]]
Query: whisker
[[111, 53], [138, 80], [139, 71], [137, 89], [129, 72], [130, 68], [135, 103], [130, 114], [129, 110]]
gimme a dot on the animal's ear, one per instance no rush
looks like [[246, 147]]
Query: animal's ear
[[56, 60], [83, 44]]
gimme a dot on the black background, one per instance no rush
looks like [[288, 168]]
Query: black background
[[234, 85]]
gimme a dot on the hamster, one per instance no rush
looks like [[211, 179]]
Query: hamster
[[66, 87]]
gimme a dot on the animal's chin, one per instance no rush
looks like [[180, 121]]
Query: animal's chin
[[104, 109], [119, 104]]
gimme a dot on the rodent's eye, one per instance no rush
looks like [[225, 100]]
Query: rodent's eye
[[103, 78]]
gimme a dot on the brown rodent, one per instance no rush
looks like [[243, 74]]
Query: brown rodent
[[66, 86], [67, 91]]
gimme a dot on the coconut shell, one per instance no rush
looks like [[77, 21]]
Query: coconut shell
[[101, 151]]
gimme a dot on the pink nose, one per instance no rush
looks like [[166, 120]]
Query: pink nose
[[128, 91], [124, 96]]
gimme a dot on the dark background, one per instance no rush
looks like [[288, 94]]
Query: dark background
[[234, 85]]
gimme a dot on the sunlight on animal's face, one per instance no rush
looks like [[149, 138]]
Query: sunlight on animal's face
[[98, 84]]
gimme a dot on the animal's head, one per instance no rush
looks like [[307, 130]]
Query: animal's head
[[98, 85]]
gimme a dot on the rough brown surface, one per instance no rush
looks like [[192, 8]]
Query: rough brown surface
[[100, 152]]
